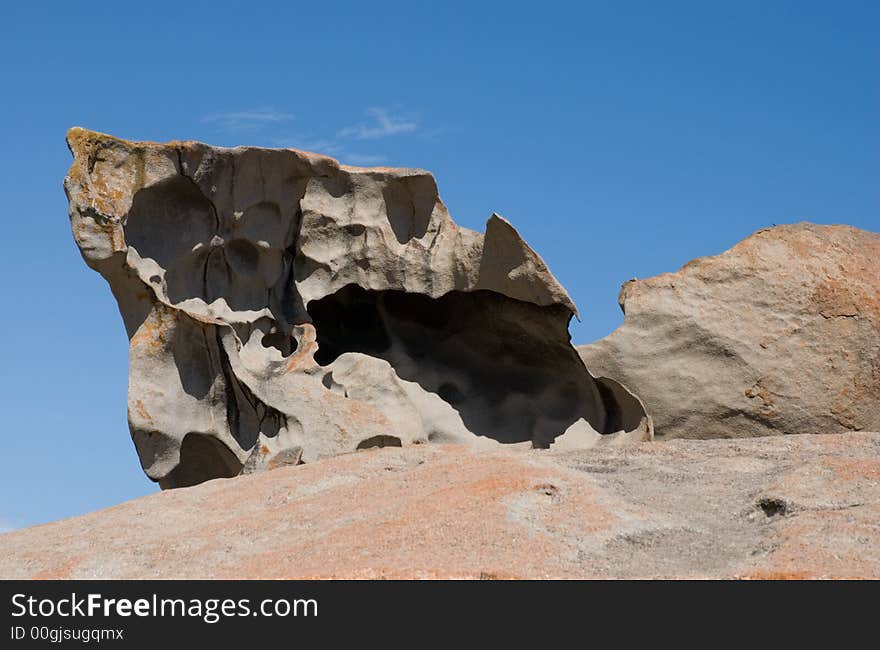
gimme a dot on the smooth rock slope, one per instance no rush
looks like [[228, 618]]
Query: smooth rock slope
[[797, 506], [282, 306], [778, 335]]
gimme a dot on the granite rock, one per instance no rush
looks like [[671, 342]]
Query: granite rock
[[273, 297], [778, 335], [799, 506]]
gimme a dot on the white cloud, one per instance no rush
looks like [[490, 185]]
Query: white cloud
[[384, 124], [331, 147], [247, 119], [320, 146], [326, 147], [6, 526]]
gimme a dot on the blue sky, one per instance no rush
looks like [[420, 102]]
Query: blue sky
[[621, 138]]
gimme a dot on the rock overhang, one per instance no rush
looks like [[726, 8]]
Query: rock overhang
[[222, 258]]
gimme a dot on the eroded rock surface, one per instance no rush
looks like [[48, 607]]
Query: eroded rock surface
[[780, 334], [274, 298], [796, 506]]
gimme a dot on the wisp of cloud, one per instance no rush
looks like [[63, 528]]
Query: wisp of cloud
[[385, 125], [247, 119]]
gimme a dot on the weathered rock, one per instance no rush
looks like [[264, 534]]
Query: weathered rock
[[277, 295], [780, 334], [783, 507], [264, 458]]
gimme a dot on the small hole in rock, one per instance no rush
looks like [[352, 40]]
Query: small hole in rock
[[380, 441], [773, 507], [155, 279], [284, 343], [548, 489]]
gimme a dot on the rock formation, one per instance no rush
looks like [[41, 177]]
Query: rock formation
[[776, 507], [282, 307], [780, 334]]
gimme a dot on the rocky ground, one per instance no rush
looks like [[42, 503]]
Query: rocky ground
[[797, 506]]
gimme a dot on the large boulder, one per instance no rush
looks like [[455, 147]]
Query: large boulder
[[780, 334], [275, 299], [781, 507]]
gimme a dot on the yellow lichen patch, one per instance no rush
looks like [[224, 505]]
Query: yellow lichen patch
[[79, 138], [307, 345], [142, 411], [153, 335], [107, 171]]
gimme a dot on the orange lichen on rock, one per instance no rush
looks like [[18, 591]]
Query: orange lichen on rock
[[681, 509]]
